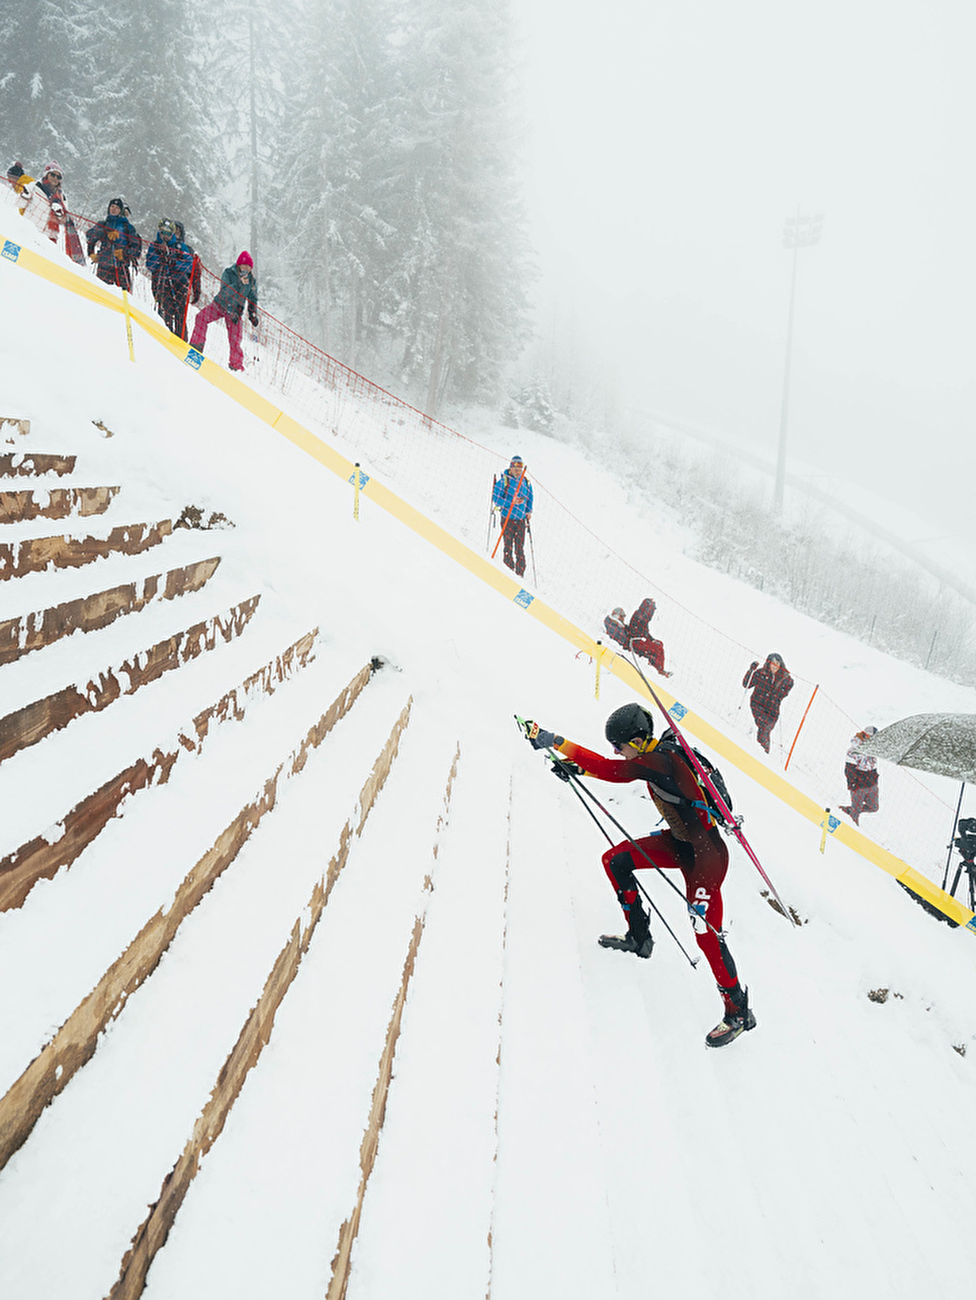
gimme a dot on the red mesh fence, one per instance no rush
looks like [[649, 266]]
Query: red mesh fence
[[449, 477]]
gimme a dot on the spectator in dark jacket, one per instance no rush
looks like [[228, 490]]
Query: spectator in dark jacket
[[770, 685], [861, 774], [615, 626], [115, 247], [169, 263], [237, 288], [194, 267]]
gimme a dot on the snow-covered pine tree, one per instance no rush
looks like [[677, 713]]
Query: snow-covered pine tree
[[150, 138], [337, 211], [252, 52], [43, 84], [463, 263]]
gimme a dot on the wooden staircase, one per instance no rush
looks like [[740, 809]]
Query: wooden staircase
[[151, 721]]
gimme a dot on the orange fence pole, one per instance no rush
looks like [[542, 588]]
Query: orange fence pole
[[800, 727], [510, 509]]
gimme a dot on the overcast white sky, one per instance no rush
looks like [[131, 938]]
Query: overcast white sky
[[669, 144]]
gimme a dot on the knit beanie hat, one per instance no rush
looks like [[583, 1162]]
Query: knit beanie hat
[[245, 259], [53, 167]]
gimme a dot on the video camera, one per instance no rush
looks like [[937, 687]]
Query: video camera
[[965, 841]]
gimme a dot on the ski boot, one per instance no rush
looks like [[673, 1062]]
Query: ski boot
[[738, 1018], [628, 943], [638, 937]]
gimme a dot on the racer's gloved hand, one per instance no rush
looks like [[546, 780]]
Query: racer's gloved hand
[[565, 770], [537, 737]]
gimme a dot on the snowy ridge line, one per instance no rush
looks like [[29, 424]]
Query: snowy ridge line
[[76, 1041], [42, 627], [32, 554], [152, 1233], [711, 662], [42, 857], [35, 721], [348, 1232], [23, 504], [907, 548]]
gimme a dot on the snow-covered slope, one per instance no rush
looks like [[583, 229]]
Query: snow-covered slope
[[554, 1124]]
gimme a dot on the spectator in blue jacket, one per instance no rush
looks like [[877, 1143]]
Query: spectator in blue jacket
[[512, 494], [114, 245], [169, 263]]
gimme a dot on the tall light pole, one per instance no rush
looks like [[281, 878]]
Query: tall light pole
[[799, 232]]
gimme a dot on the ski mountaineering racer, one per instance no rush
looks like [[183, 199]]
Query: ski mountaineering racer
[[691, 844]]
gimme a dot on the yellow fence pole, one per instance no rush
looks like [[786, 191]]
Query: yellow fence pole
[[824, 824], [128, 324]]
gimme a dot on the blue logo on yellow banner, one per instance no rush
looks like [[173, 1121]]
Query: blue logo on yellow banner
[[194, 358], [971, 925], [524, 598], [677, 710], [363, 479], [11, 251]]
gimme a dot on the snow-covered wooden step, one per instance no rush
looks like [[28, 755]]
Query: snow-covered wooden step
[[29, 463], [45, 588], [42, 627], [31, 554], [55, 503], [80, 778], [270, 777], [37, 720], [78, 659]]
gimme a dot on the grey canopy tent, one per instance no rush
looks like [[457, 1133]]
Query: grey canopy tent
[[943, 743]]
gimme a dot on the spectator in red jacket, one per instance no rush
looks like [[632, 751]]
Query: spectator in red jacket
[[635, 635], [770, 685]]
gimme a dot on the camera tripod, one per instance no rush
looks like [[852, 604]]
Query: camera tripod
[[965, 842]]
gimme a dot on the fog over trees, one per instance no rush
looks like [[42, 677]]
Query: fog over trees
[[366, 149], [368, 154]]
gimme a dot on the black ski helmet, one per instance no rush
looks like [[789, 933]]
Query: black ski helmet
[[629, 722]]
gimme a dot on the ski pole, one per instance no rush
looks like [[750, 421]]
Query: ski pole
[[491, 511], [578, 785], [528, 529], [692, 911], [510, 509], [603, 830], [720, 803]]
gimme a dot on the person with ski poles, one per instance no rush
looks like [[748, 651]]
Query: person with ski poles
[[115, 247], [513, 495], [169, 262], [691, 844], [238, 290]]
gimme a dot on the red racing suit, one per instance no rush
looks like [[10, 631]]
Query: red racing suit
[[691, 844]]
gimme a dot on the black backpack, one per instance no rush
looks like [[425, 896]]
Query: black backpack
[[670, 744]]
